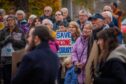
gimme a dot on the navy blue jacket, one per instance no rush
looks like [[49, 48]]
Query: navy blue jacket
[[40, 66]]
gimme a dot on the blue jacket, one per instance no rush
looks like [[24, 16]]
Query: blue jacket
[[40, 66], [71, 76]]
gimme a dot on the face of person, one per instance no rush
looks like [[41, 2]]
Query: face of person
[[37, 22], [86, 30], [47, 11], [58, 16], [19, 17], [97, 23], [30, 40], [82, 17], [107, 19], [11, 22], [72, 29], [65, 14], [100, 43], [62, 28]]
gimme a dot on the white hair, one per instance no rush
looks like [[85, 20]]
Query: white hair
[[50, 8], [108, 13], [64, 10], [21, 12], [85, 12], [47, 20], [32, 16]]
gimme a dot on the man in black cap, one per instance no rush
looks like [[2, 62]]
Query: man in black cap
[[98, 25]]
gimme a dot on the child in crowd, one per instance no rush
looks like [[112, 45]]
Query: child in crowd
[[70, 77]]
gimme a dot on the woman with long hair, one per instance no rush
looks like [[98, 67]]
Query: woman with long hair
[[111, 61], [75, 30]]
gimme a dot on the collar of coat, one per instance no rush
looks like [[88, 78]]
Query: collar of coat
[[119, 53]]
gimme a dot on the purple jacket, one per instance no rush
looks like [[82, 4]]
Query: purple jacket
[[79, 50], [79, 54]]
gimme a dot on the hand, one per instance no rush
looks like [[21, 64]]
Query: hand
[[8, 39]]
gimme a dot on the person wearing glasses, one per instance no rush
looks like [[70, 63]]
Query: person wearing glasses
[[58, 20], [48, 14]]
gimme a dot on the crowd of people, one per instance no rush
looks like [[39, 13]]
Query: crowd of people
[[41, 64]]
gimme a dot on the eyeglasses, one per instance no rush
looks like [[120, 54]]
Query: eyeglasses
[[57, 14], [46, 10]]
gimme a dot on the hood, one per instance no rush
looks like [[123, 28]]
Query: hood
[[119, 53]]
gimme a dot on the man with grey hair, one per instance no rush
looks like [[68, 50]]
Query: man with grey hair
[[48, 14], [66, 14], [108, 8], [83, 18], [108, 18]]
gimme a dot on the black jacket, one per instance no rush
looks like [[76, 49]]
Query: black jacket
[[16, 37], [40, 66], [113, 71]]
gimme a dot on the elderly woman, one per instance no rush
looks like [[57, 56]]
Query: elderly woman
[[75, 30], [53, 45], [49, 24], [79, 52], [21, 21]]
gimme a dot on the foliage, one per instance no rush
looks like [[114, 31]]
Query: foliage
[[34, 6]]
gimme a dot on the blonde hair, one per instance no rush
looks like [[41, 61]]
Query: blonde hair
[[75, 24], [67, 61]]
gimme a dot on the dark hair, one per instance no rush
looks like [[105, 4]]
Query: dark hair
[[115, 4], [33, 23], [109, 37], [43, 33]]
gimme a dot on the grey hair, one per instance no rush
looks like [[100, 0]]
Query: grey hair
[[21, 12], [87, 13], [64, 10], [49, 21], [32, 16]]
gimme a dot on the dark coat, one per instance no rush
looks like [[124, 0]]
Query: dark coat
[[8, 37], [113, 71], [40, 66]]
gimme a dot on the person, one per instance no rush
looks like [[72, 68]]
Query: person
[[40, 64], [108, 8], [65, 14], [49, 24], [117, 13], [62, 28], [79, 52], [36, 22], [48, 14], [11, 39], [31, 19], [58, 20], [111, 62], [21, 21], [53, 44], [83, 18], [75, 31], [71, 76]]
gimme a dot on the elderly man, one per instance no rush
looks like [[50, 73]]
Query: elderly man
[[83, 18], [48, 14]]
